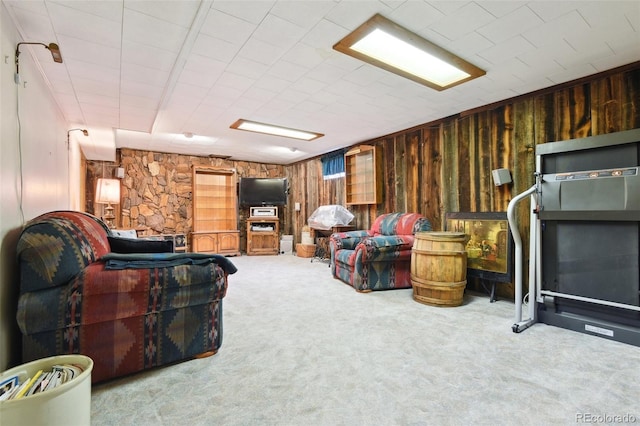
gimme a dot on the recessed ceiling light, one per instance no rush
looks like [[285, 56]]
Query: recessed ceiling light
[[270, 129], [387, 45]]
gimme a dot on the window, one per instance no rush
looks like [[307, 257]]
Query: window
[[333, 165]]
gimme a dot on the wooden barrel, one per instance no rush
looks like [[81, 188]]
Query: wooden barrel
[[439, 268]]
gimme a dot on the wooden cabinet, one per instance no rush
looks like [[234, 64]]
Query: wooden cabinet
[[263, 235], [215, 212], [224, 242], [363, 175]]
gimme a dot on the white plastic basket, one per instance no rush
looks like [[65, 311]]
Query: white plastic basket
[[67, 404]]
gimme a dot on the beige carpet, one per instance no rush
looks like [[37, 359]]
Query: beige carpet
[[301, 348]]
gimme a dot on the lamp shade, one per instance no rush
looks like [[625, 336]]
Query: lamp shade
[[108, 191]]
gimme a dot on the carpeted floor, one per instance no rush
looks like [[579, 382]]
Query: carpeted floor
[[301, 348]]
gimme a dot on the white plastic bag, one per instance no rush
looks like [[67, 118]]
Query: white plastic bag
[[326, 217]]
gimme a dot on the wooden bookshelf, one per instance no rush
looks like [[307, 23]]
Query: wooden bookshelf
[[363, 175], [215, 211]]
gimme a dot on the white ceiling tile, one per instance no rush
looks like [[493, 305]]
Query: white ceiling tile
[[416, 15], [324, 35], [544, 59], [260, 51], [613, 15], [308, 85], [53, 70], [149, 31], [138, 88], [86, 70], [144, 74], [200, 119], [352, 14], [227, 27], [325, 97], [585, 56], [469, 46], [252, 11], [222, 95], [85, 26], [466, 19], [36, 27], [96, 98], [510, 25], [235, 81], [187, 94], [287, 70], [107, 9], [214, 48], [278, 32], [448, 6], [133, 101], [62, 86], [302, 13], [550, 10], [248, 106], [305, 55], [504, 52], [568, 74], [144, 116], [204, 79], [557, 29], [180, 12], [69, 103], [366, 74], [271, 83], [88, 51], [260, 94], [147, 56], [501, 8], [609, 62], [32, 7], [200, 63], [327, 73], [100, 117], [292, 96]]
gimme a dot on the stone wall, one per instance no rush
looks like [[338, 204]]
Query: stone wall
[[156, 189]]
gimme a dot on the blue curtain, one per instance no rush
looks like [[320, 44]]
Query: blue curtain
[[333, 165]]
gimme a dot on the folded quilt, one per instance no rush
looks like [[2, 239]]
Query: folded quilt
[[164, 260]]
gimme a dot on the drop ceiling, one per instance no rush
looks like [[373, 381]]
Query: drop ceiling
[[140, 74]]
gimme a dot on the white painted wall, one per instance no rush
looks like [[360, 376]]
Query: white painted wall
[[34, 168]]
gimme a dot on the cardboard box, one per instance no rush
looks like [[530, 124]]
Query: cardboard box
[[305, 250]]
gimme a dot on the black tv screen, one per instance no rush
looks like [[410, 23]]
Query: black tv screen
[[263, 191]]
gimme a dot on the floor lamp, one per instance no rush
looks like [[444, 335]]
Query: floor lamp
[[108, 192]]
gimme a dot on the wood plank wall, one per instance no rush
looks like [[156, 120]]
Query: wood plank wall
[[445, 166]]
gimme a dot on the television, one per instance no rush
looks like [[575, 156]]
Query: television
[[263, 191]]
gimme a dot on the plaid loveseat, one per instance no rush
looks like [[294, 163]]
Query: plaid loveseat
[[127, 312], [378, 258]]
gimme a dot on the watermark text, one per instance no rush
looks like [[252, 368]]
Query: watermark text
[[605, 418]]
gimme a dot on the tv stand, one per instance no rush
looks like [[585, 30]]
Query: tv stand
[[263, 235]]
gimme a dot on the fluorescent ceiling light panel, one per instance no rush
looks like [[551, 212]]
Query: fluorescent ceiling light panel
[[387, 45], [269, 129]]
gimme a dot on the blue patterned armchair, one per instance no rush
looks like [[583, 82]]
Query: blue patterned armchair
[[378, 258], [127, 304]]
